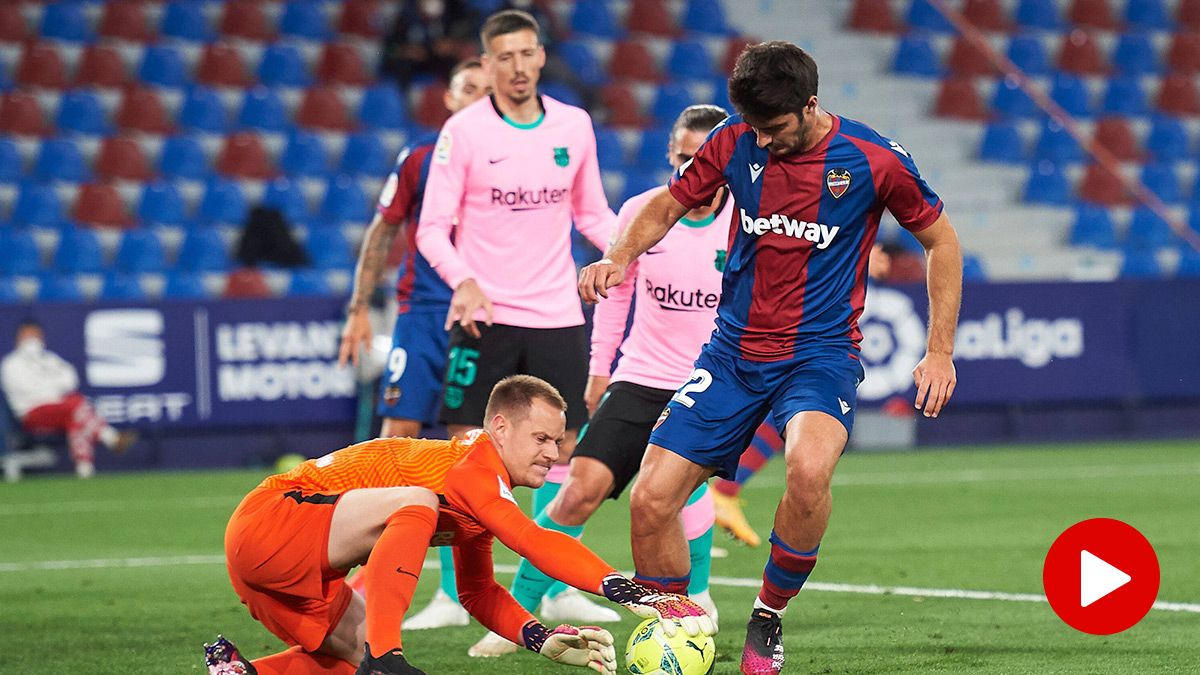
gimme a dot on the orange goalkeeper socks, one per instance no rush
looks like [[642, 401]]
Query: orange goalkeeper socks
[[393, 570], [296, 661]]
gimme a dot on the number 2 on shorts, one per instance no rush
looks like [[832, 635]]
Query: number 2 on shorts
[[699, 380]]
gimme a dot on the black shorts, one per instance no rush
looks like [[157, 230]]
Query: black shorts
[[557, 355], [617, 434]]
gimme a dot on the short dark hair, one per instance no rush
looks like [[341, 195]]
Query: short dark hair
[[513, 396], [465, 64], [505, 22], [700, 117], [772, 79]]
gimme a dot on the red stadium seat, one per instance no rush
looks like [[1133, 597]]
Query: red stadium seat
[[1080, 55], [243, 156], [1093, 14], [245, 19], [1178, 95], [342, 64], [987, 15], [430, 110], [121, 157], [1184, 54], [21, 114], [41, 66], [733, 49], [246, 282], [651, 16], [360, 17], [967, 59], [633, 60], [1188, 14], [221, 66], [12, 23], [1114, 134], [323, 108], [101, 66], [959, 99], [126, 20], [623, 107], [873, 16], [141, 110], [1100, 186], [100, 204]]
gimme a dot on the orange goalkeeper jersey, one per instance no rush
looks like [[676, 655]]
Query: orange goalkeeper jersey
[[476, 505]]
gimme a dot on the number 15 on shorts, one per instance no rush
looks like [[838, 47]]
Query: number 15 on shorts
[[698, 381]]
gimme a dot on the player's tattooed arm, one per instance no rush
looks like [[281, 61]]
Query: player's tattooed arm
[[371, 259], [648, 228]]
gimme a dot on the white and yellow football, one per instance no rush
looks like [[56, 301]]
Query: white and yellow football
[[651, 652]]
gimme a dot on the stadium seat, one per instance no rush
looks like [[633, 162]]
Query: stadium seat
[[1028, 52], [1168, 139], [1072, 94], [243, 156], [203, 110], [305, 20], [223, 202], [1183, 56], [653, 17], [186, 20], [1009, 100], [1148, 14], [309, 283], [1178, 95], [163, 65], [184, 286], [690, 59], [1101, 186], [1042, 14], [705, 16], [305, 155], [1047, 184], [221, 66], [58, 288], [1161, 179], [609, 151], [245, 19], [121, 157], [734, 46], [361, 18], [430, 111], [262, 109], [12, 23], [37, 205], [365, 155], [1115, 135], [203, 250], [126, 20], [344, 201], [342, 64], [323, 108], [59, 159], [623, 107], [161, 204], [595, 18], [1140, 264], [873, 16], [119, 286], [101, 66], [79, 251], [1056, 144], [987, 15], [141, 110], [633, 60], [1080, 54], [11, 169], [968, 59], [246, 282], [328, 248], [923, 15], [915, 55], [1002, 142], [1135, 54], [21, 256], [652, 148], [42, 66], [1093, 14], [639, 180], [66, 21], [100, 204], [80, 111], [288, 198], [1188, 14], [8, 292], [669, 100], [183, 156], [383, 107], [1147, 231], [283, 65], [973, 268], [1093, 226], [583, 62], [1189, 263], [1124, 96]]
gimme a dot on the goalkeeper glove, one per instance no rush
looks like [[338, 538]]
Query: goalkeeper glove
[[586, 646], [672, 609]]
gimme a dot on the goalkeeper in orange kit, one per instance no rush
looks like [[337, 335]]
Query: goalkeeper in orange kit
[[291, 541]]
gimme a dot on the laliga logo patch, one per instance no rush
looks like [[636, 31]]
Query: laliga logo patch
[[838, 181], [662, 418]]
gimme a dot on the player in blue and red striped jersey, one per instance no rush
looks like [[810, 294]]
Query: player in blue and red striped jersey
[[810, 188], [411, 387]]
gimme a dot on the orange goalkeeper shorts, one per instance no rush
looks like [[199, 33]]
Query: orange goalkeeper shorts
[[277, 553]]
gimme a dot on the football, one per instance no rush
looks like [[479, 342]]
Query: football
[[651, 652]]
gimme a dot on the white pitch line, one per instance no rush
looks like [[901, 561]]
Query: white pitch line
[[736, 582], [937, 477], [91, 506]]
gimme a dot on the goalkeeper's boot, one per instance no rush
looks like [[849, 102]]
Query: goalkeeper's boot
[[763, 653], [441, 611], [492, 645], [222, 658], [391, 663], [574, 607], [728, 510]]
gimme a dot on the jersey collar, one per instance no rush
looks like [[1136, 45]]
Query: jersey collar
[[532, 125], [484, 451]]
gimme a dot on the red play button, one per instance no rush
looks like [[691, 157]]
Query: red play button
[[1101, 576]]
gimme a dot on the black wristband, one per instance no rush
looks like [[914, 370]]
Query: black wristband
[[534, 635]]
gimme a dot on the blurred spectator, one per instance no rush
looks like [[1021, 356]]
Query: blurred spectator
[[266, 238], [41, 388], [428, 38], [893, 264]]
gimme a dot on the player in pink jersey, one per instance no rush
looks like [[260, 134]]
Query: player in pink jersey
[[516, 169]]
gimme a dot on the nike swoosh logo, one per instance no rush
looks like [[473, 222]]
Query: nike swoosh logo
[[496, 161], [654, 252]]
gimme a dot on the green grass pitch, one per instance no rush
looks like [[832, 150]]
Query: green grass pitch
[[979, 519]]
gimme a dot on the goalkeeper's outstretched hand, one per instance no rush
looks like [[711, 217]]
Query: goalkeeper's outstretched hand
[[648, 603], [585, 646]]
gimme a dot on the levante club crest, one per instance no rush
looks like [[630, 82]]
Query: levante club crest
[[838, 181], [561, 157]]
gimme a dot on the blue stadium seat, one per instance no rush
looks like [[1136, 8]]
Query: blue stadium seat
[[609, 151], [58, 288], [140, 251], [282, 65], [328, 248], [1028, 52], [583, 62], [690, 59], [66, 21], [184, 286], [1056, 144], [186, 21], [595, 17], [1135, 54], [1142, 264], [1047, 184], [37, 204], [1147, 231], [183, 156], [21, 256], [923, 15], [1161, 179], [344, 201], [1009, 100], [669, 100], [383, 107], [304, 155], [1093, 226], [1189, 263], [1152, 14], [305, 20], [262, 109], [915, 55], [288, 198], [8, 292], [79, 251], [365, 155], [60, 159], [118, 286], [223, 202], [1002, 142], [1038, 14], [309, 283], [1125, 96], [203, 110], [705, 16], [80, 111], [639, 180], [651, 152], [561, 92], [1168, 139], [1071, 92], [720, 94], [203, 250], [161, 204], [973, 268], [10, 162], [163, 65]]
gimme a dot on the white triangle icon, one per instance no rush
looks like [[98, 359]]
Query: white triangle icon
[[1097, 578]]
